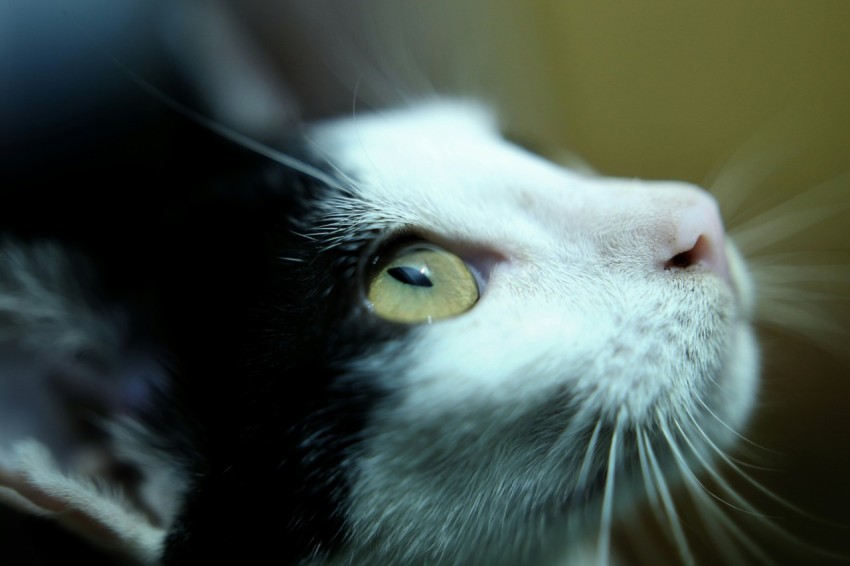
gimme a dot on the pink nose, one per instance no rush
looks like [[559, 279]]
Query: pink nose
[[699, 240]]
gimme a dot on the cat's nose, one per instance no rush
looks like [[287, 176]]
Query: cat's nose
[[698, 240]]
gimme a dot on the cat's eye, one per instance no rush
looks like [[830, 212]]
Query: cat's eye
[[421, 283]]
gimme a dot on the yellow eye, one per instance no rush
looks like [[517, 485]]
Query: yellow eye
[[422, 283]]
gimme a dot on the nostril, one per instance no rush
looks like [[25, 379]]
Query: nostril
[[699, 253], [698, 240]]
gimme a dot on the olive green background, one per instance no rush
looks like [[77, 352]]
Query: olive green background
[[694, 90], [749, 98]]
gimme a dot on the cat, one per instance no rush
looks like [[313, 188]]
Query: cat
[[397, 338], [454, 350]]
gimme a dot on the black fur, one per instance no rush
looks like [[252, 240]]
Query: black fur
[[186, 231], [277, 424]]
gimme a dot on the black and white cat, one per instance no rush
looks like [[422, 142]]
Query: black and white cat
[[400, 339]]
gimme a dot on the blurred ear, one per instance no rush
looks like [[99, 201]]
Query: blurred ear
[[33, 483], [74, 391]]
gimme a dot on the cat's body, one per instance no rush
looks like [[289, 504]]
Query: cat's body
[[231, 304]]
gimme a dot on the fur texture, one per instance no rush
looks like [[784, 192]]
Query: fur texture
[[503, 435], [234, 395]]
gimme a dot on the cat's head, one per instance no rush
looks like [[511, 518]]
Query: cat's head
[[460, 352], [557, 338]]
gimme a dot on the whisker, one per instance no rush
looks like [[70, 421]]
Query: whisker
[[725, 425], [745, 506], [744, 475], [717, 522], [762, 232], [765, 521], [672, 517], [339, 172], [779, 269], [646, 474], [814, 324], [576, 425], [779, 292], [807, 294], [225, 131], [604, 543], [759, 157], [401, 61], [302, 235], [584, 471], [793, 215]]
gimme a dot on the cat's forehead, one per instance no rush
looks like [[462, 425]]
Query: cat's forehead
[[446, 171], [441, 119], [446, 143]]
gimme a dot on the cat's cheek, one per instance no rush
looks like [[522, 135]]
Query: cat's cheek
[[739, 383], [742, 282]]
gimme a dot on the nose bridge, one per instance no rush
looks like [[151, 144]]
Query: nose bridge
[[657, 225]]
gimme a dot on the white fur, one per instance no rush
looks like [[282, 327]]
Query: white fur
[[496, 422], [457, 467], [31, 481]]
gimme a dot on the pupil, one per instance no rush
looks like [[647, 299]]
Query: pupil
[[410, 276]]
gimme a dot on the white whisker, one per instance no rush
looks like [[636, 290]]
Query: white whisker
[[718, 523], [577, 424], [584, 471], [227, 132], [672, 517], [646, 473], [762, 232], [778, 292], [794, 268], [302, 235], [816, 325], [801, 293], [690, 477], [764, 520], [726, 426], [735, 467], [793, 216], [604, 543], [759, 157]]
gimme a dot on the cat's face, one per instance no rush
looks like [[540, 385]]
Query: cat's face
[[431, 347], [612, 323]]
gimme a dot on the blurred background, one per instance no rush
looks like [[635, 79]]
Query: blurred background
[[749, 99]]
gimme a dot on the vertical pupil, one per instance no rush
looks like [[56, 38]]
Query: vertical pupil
[[410, 276]]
